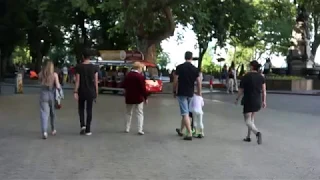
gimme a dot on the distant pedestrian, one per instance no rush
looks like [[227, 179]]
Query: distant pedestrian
[[86, 91], [231, 81], [135, 96], [49, 82], [183, 88], [267, 66], [196, 105], [65, 74], [253, 89], [233, 69]]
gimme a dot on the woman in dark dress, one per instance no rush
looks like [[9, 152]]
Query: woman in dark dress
[[252, 87]]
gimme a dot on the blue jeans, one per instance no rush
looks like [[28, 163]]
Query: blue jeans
[[184, 102]]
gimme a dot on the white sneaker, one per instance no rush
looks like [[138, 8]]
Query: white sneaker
[[88, 133], [45, 135], [141, 133], [127, 131], [54, 132]]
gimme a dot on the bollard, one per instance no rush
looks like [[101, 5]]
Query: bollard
[[19, 83]]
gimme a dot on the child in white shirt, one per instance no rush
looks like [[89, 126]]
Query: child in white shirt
[[196, 105]]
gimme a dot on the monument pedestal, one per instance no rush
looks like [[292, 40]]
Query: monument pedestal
[[298, 67]]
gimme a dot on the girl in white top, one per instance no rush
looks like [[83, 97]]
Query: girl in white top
[[196, 105]]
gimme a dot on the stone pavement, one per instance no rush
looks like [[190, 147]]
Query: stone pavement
[[290, 148]]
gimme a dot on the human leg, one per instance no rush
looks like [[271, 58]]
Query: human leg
[[230, 85], [129, 110], [201, 123], [81, 106], [140, 118], [184, 111], [258, 134], [52, 117], [89, 104], [249, 119], [44, 115]]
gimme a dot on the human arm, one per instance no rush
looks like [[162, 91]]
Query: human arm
[[77, 82], [199, 84], [264, 94], [96, 82], [56, 81], [175, 83], [241, 89], [144, 89]]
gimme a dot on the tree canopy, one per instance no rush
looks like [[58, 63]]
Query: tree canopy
[[61, 29]]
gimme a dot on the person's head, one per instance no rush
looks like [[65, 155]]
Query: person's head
[[188, 56], [268, 60], [255, 66], [47, 73], [86, 54], [137, 66]]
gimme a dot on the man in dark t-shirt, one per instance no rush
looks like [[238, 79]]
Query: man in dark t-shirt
[[183, 88], [86, 91]]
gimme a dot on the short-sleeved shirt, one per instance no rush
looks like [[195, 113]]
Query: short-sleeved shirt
[[187, 75], [87, 73], [251, 84]]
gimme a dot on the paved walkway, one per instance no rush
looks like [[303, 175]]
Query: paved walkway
[[290, 148]]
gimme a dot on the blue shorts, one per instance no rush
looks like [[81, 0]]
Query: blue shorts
[[184, 102]]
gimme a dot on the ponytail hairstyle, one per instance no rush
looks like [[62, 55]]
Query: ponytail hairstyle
[[255, 65]]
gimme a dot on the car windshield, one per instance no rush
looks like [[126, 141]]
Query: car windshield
[[151, 73]]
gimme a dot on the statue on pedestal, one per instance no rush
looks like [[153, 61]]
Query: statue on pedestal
[[300, 56]]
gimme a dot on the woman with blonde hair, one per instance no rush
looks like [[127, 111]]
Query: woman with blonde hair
[[49, 82]]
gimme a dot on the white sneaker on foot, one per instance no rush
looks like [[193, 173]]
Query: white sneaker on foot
[[141, 133], [45, 135], [88, 133], [54, 132]]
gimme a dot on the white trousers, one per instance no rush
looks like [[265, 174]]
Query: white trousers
[[230, 85], [198, 121], [138, 108]]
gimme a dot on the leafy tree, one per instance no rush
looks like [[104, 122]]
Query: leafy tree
[[163, 60], [221, 20], [21, 55]]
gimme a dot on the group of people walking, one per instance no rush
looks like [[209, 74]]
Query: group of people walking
[[252, 90]]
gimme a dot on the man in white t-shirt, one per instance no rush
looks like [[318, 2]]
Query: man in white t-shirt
[[65, 74]]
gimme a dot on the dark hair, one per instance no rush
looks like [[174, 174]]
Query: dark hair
[[188, 55], [86, 54], [232, 65], [255, 65]]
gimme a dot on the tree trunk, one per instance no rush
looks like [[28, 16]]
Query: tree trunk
[[149, 52], [202, 51]]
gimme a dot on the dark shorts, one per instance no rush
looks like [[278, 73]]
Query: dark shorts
[[249, 108]]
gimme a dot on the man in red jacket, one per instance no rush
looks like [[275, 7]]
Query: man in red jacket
[[135, 95]]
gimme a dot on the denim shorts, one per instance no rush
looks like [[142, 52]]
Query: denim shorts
[[184, 102]]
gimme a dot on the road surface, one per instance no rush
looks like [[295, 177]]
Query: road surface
[[290, 148]]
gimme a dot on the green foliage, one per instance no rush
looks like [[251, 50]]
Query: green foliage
[[21, 55], [242, 55], [208, 67], [163, 60]]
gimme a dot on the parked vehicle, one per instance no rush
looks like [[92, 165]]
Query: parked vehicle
[[112, 74]]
